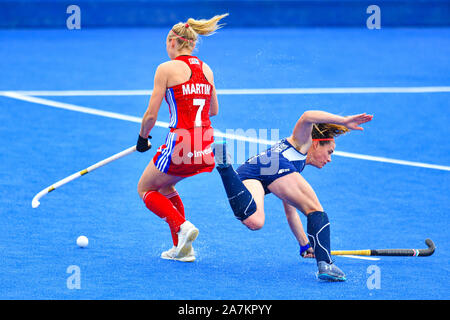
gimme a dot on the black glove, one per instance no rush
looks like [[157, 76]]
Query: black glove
[[143, 144]]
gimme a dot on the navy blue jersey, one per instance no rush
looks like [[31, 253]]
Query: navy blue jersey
[[277, 161]]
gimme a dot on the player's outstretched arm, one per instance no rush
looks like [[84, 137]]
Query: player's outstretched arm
[[302, 130]]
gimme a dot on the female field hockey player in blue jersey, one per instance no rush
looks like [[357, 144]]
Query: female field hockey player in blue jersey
[[277, 170], [187, 84]]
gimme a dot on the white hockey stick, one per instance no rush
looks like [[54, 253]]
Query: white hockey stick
[[35, 202]]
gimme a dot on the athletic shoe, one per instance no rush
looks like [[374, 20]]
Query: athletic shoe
[[170, 255], [223, 159], [330, 272], [187, 234]]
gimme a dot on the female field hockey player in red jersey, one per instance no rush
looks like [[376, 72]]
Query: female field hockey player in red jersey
[[277, 170], [187, 84]]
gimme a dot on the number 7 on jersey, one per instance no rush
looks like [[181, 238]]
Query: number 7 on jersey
[[198, 116]]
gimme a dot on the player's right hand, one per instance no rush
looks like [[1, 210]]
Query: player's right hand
[[353, 122]]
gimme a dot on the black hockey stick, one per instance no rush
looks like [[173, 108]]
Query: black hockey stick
[[391, 252]]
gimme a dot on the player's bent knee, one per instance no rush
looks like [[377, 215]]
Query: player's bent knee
[[254, 222], [167, 190], [253, 226], [142, 191]]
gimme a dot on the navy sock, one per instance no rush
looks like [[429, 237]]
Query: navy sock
[[241, 200], [319, 235]]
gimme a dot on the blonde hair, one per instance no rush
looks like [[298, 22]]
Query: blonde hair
[[187, 33], [327, 131]]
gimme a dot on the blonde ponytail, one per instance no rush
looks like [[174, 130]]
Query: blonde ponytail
[[206, 27], [187, 33]]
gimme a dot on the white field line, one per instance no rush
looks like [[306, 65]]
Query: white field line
[[389, 160], [114, 115], [349, 90], [72, 107]]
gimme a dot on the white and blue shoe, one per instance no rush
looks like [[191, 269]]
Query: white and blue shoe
[[330, 272]]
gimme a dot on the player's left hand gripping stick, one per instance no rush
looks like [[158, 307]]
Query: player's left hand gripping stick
[[240, 199], [143, 144]]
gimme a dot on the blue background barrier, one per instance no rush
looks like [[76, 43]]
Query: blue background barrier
[[247, 13]]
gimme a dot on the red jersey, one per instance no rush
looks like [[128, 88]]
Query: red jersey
[[187, 150], [189, 102]]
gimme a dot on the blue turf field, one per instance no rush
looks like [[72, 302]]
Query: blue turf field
[[371, 204]]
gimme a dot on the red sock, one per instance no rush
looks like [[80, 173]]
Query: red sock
[[163, 208], [178, 204], [174, 197]]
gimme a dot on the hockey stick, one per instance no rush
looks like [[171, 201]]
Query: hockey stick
[[35, 202], [391, 252]]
